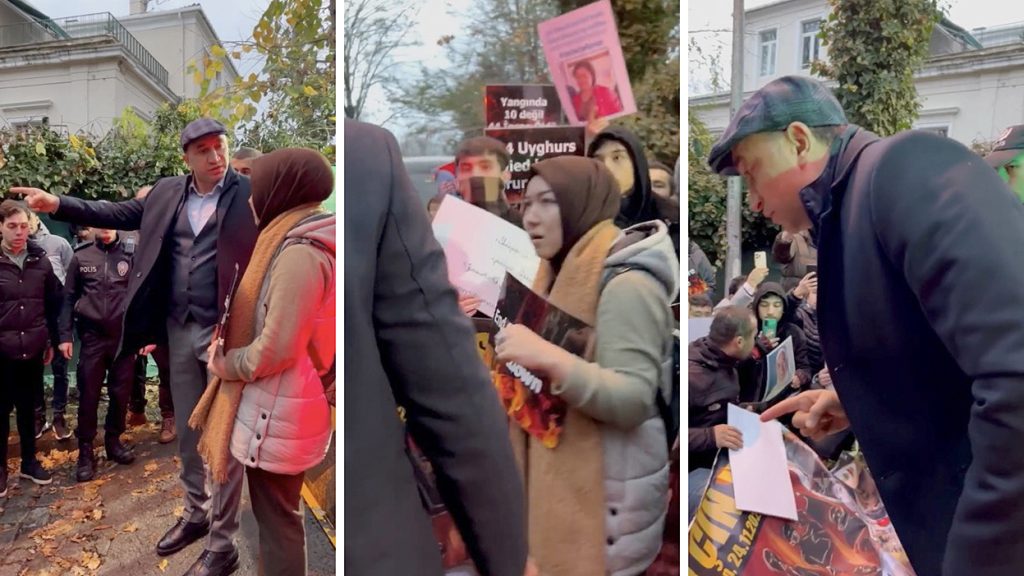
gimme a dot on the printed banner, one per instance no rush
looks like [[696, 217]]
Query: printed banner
[[525, 395], [529, 145], [522, 105], [841, 529], [586, 63], [480, 248]]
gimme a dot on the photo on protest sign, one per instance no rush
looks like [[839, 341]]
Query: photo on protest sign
[[522, 105], [529, 145], [840, 529], [525, 395], [587, 66], [781, 367]]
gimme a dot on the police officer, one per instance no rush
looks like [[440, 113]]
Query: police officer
[[94, 299]]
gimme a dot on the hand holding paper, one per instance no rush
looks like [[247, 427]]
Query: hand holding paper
[[759, 469]]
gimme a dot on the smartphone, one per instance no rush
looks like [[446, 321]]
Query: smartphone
[[812, 269], [760, 259], [769, 327]]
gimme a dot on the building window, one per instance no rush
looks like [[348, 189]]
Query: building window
[[940, 130], [810, 43], [768, 40]]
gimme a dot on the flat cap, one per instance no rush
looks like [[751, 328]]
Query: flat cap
[[196, 129], [1009, 146], [773, 108]]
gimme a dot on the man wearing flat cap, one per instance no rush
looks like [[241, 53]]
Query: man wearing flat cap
[[193, 231], [921, 315], [1007, 158]]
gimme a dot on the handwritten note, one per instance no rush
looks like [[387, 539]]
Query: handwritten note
[[760, 474], [480, 248]]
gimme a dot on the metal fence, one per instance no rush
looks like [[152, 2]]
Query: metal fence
[[86, 26]]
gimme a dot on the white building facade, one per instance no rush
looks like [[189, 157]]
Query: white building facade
[[970, 90]]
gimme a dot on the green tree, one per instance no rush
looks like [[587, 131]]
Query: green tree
[[500, 45], [296, 40], [874, 48]]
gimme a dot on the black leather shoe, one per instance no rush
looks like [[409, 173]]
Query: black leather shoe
[[118, 452], [180, 536], [86, 462], [214, 564]]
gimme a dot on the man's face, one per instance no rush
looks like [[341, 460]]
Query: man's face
[[616, 158], [15, 231], [770, 164], [542, 218], [243, 167], [1013, 174], [484, 165], [745, 342], [770, 308], [85, 234], [661, 182], [105, 236], [208, 158], [583, 78]]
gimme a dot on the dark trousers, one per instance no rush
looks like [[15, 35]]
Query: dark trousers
[[137, 402], [20, 380], [96, 363], [59, 369], [277, 507]]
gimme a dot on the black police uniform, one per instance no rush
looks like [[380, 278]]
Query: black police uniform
[[94, 301]]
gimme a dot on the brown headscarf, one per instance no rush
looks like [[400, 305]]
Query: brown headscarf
[[288, 178], [587, 194]]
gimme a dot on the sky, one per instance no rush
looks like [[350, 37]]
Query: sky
[[717, 18]]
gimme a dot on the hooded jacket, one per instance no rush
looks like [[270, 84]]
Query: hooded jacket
[[753, 375], [713, 384], [58, 250], [921, 313], [283, 424], [618, 389], [639, 205]]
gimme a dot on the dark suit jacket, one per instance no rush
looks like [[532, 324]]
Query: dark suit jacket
[[407, 343], [146, 313], [921, 317]]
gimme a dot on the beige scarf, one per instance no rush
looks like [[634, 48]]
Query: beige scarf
[[214, 415], [565, 486]]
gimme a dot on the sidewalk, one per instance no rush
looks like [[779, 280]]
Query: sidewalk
[[110, 526]]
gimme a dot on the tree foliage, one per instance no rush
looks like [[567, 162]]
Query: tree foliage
[[706, 197], [296, 40], [374, 30], [874, 47], [131, 155]]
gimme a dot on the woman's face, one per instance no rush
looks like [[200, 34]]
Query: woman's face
[[583, 78], [542, 219]]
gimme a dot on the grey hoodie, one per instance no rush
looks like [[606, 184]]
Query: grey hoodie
[[634, 325], [58, 250]]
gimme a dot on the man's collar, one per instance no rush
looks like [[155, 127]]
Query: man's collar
[[218, 187], [816, 197]]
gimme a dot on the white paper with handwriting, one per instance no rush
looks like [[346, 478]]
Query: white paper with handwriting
[[480, 247]]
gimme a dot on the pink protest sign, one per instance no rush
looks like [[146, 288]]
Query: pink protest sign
[[586, 63]]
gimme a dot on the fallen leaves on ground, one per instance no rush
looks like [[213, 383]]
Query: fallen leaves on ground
[[162, 565]]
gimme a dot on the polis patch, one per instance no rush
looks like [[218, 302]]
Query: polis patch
[[122, 268]]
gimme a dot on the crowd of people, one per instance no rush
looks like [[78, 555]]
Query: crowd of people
[[201, 272], [904, 237], [605, 227]]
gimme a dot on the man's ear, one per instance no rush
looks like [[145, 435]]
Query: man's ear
[[799, 136]]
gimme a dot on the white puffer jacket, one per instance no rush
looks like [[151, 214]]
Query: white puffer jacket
[[283, 424]]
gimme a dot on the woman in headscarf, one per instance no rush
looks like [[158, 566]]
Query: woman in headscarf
[[266, 404], [596, 502]]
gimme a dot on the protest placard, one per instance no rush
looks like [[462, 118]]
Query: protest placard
[[529, 145], [840, 528], [781, 367], [522, 105], [525, 395], [480, 248], [586, 63]]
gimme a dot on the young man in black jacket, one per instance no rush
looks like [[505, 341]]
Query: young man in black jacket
[[912, 231], [30, 300], [94, 301]]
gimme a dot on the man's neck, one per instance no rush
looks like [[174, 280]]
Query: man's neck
[[204, 188], [7, 248]]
